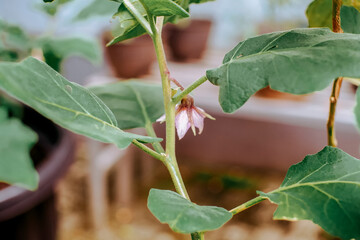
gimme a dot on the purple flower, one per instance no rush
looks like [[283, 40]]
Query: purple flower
[[186, 116]]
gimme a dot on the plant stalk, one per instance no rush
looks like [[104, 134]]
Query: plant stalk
[[170, 162], [336, 20], [189, 89], [149, 151], [247, 205]]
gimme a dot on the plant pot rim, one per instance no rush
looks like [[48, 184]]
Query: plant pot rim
[[16, 200]]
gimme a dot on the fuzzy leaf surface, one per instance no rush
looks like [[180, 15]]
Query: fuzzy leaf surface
[[298, 61], [16, 166], [184, 216], [66, 103], [141, 103], [323, 188]]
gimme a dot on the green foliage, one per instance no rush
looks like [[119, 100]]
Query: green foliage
[[14, 43], [350, 20], [319, 12], [16, 140], [66, 103], [298, 61], [56, 50], [51, 7], [97, 8], [173, 10], [184, 216], [324, 188], [134, 104]]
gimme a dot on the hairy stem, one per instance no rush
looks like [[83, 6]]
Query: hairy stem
[[149, 151], [189, 89], [247, 205], [170, 161], [336, 20], [338, 81]]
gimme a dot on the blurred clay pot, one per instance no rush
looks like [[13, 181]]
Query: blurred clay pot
[[32, 215], [267, 92], [130, 58], [188, 41]]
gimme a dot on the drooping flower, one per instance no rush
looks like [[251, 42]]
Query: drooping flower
[[188, 116]]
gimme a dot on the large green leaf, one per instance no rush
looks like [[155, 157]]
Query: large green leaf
[[97, 8], [298, 61], [324, 188], [66, 103], [184, 216], [350, 20], [134, 104], [56, 50], [319, 12], [16, 140]]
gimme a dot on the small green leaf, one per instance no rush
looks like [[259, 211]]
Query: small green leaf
[[66, 103], [184, 216], [141, 103], [97, 8], [298, 61], [324, 188], [131, 27], [319, 12], [56, 50], [14, 43], [165, 8], [16, 166], [350, 20]]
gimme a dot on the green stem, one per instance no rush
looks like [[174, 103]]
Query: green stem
[[189, 89], [149, 151], [247, 205], [170, 162]]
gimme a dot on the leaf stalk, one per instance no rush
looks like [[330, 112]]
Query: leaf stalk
[[247, 205]]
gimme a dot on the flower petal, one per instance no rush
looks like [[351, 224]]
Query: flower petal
[[161, 119], [182, 123], [198, 120]]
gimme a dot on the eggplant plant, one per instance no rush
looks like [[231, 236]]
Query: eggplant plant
[[323, 188]]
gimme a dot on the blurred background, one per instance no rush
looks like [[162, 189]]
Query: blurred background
[[100, 192]]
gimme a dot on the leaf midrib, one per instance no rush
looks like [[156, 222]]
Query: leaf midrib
[[313, 184]]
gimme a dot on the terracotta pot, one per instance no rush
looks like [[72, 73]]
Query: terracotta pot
[[267, 92], [188, 41], [28, 215], [131, 58]]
